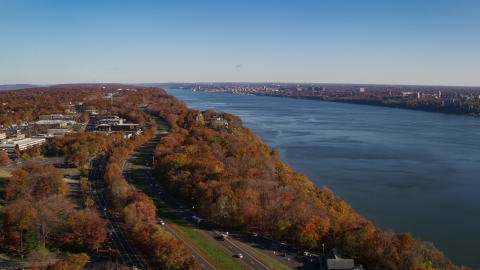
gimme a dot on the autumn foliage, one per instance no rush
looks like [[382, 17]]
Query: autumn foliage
[[38, 216], [225, 171], [139, 213], [236, 180]]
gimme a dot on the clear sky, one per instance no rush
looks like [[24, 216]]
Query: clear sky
[[365, 42]]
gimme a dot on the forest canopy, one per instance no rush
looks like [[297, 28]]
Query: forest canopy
[[235, 180], [208, 159]]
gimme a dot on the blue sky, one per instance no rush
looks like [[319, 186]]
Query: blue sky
[[365, 42]]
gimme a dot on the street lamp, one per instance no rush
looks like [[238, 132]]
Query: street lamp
[[323, 248]]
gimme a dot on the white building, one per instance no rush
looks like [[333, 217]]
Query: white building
[[111, 121], [9, 144]]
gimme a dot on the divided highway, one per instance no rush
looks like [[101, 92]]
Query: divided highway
[[209, 230], [118, 241], [126, 172]]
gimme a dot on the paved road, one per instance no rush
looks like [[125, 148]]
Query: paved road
[[126, 171], [269, 247], [209, 230], [120, 244]]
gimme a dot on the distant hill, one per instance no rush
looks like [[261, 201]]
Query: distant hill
[[16, 86]]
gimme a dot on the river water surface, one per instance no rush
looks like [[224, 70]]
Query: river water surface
[[405, 170]]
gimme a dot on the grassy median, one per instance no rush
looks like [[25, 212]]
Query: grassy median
[[212, 252], [266, 260]]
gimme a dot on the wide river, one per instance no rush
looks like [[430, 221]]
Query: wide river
[[408, 171]]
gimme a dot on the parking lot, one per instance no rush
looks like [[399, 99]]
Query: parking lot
[[290, 256]]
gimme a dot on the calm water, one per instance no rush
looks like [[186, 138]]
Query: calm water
[[404, 170]]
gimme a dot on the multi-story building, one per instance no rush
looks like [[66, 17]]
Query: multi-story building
[[9, 144]]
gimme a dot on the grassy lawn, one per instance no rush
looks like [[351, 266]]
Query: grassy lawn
[[215, 254]]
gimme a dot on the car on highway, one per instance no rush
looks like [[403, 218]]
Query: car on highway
[[161, 222], [239, 255], [104, 208]]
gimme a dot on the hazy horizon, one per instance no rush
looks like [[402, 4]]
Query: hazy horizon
[[319, 83]]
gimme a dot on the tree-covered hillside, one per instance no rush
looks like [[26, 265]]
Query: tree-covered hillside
[[234, 179]]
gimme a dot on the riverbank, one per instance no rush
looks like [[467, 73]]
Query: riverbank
[[379, 160]]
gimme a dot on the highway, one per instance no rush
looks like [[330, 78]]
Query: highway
[[126, 172], [209, 230], [118, 241]]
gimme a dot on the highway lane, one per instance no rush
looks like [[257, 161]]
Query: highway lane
[[209, 230], [126, 172], [118, 240]]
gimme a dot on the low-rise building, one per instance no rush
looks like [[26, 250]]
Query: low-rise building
[[43, 136], [119, 127], [104, 127], [66, 117], [111, 121], [9, 144], [50, 124], [216, 121], [125, 127], [332, 260], [58, 131]]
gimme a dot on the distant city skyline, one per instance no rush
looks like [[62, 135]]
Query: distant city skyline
[[364, 42]]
